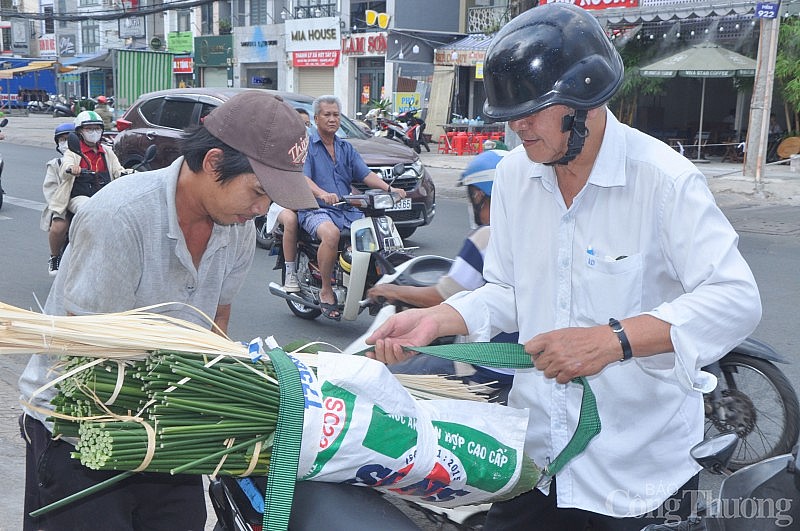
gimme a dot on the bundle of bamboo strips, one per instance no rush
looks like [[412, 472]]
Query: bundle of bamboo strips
[[171, 413]]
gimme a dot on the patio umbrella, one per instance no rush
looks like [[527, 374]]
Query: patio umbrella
[[703, 61]]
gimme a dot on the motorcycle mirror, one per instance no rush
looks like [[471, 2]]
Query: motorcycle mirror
[[4, 122], [74, 143], [713, 454], [398, 169], [150, 154]]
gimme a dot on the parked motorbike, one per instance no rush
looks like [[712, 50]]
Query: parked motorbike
[[60, 106], [759, 497], [415, 130], [370, 248], [3, 123], [37, 107], [405, 128]]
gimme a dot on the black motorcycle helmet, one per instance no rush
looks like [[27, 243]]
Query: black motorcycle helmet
[[552, 54]]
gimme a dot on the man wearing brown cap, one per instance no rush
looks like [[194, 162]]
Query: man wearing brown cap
[[182, 234]]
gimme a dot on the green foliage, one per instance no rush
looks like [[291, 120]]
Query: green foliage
[[626, 99], [787, 64]]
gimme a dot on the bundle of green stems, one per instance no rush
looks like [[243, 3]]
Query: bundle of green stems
[[172, 412]]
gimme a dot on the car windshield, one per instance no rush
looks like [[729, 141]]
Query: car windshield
[[347, 129]]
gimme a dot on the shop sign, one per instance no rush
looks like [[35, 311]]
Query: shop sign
[[180, 41], [365, 44], [459, 57], [315, 58], [131, 27], [213, 50], [594, 4], [404, 101], [47, 45], [254, 45], [182, 65], [479, 70], [308, 34], [66, 45]]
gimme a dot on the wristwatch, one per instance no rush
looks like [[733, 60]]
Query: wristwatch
[[617, 328]]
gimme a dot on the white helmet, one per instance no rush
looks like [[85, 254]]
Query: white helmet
[[88, 118]]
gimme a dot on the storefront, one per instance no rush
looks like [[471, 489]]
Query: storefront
[[313, 53], [259, 51], [213, 61], [466, 56], [181, 43], [364, 54]]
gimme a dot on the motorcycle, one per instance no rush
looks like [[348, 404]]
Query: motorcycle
[[405, 128], [37, 107], [3, 123], [758, 497], [415, 130], [60, 106], [239, 506], [754, 400], [371, 247]]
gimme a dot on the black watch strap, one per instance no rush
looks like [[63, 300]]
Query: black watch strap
[[617, 328]]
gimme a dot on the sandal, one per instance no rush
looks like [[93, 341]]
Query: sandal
[[330, 310]]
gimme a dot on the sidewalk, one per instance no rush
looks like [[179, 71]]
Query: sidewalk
[[781, 185]]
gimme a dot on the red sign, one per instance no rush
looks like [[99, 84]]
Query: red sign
[[47, 45], [369, 44], [182, 65], [595, 4], [315, 58]]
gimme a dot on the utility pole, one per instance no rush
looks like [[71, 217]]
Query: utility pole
[[758, 128]]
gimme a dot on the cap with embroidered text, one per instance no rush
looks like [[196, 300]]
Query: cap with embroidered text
[[273, 137]]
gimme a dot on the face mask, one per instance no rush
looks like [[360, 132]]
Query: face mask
[[62, 146], [92, 137]]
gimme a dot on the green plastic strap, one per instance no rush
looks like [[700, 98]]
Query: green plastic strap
[[286, 447], [513, 356]]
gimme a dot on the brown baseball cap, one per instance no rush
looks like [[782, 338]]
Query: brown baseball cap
[[273, 137]]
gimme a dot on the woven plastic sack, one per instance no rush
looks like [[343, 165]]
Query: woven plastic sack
[[442, 452]]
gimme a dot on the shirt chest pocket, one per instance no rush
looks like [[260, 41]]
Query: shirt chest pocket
[[610, 288]]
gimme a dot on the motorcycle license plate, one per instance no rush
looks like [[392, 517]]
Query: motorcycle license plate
[[403, 204]]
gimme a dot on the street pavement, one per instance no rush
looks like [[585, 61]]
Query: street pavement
[[781, 185]]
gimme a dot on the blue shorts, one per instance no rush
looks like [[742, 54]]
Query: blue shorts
[[310, 220]]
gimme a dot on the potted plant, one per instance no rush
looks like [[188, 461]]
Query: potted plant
[[224, 26]]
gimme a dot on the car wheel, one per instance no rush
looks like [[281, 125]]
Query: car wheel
[[406, 232]]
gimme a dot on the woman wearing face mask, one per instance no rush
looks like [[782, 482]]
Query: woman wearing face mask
[[101, 161]]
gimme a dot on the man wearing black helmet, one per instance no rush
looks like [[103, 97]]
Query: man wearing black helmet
[[611, 259]]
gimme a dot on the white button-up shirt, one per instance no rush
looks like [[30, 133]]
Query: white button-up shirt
[[643, 236]]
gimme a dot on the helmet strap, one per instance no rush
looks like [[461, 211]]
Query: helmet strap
[[576, 125]]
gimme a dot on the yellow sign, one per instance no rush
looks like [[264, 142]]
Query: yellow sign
[[373, 18], [479, 70], [404, 101]]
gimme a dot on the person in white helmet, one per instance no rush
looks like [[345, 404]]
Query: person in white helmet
[[98, 159], [611, 259]]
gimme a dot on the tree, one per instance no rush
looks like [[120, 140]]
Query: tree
[[787, 70], [626, 99]]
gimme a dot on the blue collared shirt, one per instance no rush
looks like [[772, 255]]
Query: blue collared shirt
[[334, 176]]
